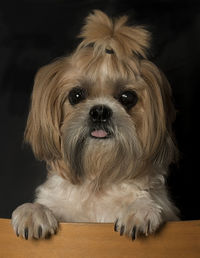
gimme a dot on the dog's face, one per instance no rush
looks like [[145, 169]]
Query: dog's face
[[104, 113]]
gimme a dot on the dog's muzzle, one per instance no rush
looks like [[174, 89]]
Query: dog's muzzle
[[100, 116]]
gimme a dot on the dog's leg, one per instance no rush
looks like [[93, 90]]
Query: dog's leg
[[143, 216], [33, 220], [169, 211], [146, 213]]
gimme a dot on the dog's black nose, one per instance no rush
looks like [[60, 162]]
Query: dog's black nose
[[100, 114]]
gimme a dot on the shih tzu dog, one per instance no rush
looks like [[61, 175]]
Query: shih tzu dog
[[101, 120]]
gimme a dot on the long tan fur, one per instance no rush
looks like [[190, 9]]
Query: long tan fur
[[120, 178]]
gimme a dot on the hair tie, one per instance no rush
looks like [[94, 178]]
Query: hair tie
[[109, 51]]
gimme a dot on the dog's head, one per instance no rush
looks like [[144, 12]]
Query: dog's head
[[105, 112]]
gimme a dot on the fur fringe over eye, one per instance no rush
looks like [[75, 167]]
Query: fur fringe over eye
[[113, 35]]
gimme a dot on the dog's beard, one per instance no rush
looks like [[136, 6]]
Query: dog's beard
[[102, 161]]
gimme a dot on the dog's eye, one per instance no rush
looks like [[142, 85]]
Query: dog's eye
[[128, 98], [76, 95]]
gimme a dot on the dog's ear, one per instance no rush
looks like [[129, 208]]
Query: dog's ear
[[159, 115], [42, 130]]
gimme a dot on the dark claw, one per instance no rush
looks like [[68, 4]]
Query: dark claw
[[26, 233], [17, 233], [48, 235], [133, 234], [148, 227], [55, 231], [39, 231], [122, 230], [115, 226]]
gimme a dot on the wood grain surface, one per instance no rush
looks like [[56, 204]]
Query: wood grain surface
[[175, 240]]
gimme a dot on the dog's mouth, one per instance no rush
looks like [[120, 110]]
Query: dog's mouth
[[100, 133]]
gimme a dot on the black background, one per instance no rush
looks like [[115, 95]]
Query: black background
[[32, 33]]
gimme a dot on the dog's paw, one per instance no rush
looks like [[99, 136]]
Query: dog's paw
[[143, 217], [33, 220]]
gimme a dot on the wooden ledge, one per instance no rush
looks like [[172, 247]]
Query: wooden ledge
[[175, 240]]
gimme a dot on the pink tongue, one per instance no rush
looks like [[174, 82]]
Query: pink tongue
[[99, 133]]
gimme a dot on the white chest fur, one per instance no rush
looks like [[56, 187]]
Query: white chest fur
[[77, 203]]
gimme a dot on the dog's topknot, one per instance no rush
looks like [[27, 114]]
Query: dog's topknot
[[109, 36]]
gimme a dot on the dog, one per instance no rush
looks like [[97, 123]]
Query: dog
[[101, 119]]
